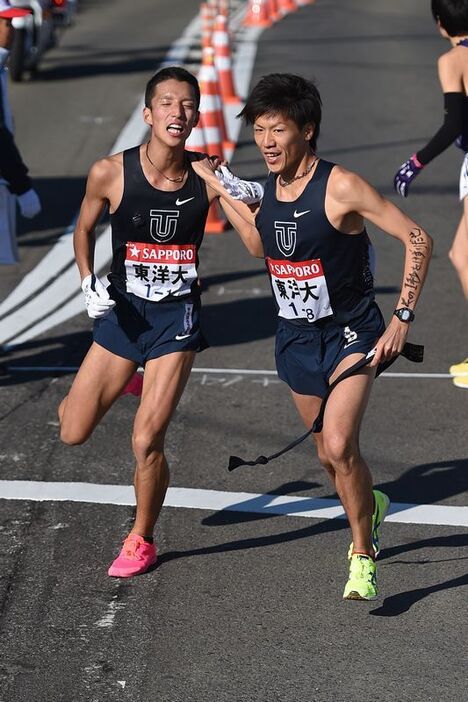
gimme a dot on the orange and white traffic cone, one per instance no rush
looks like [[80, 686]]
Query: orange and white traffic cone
[[275, 14], [215, 222], [223, 8], [287, 6], [257, 14], [196, 140], [207, 17], [223, 60], [210, 104]]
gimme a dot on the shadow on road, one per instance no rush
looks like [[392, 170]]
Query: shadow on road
[[257, 503], [396, 605], [66, 350], [256, 542], [434, 481]]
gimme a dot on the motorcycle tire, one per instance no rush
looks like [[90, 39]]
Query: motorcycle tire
[[16, 63]]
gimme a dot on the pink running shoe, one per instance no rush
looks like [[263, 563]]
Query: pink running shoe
[[136, 556], [134, 385]]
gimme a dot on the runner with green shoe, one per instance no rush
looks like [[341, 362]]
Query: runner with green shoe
[[310, 228]]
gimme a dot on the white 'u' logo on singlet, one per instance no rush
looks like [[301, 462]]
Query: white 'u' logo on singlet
[[286, 237], [163, 224]]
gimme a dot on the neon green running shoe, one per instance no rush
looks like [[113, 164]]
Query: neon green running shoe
[[459, 369], [381, 505], [461, 381], [362, 581]]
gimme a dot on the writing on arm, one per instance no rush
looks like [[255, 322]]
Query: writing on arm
[[419, 252]]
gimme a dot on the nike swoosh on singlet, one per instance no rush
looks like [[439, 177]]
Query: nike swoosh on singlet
[[299, 214], [182, 202]]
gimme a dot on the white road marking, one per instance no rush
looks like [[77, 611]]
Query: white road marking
[[225, 371], [216, 500], [107, 620], [26, 323]]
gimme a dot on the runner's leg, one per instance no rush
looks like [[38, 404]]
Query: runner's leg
[[308, 407], [98, 383], [163, 384], [338, 447], [458, 253], [342, 422]]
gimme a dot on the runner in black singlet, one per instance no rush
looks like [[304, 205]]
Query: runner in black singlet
[[147, 312], [452, 19], [310, 229]]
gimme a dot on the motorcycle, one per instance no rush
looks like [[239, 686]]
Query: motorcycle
[[34, 35], [63, 12]]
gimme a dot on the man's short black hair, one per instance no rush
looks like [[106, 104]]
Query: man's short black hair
[[171, 73], [284, 93], [452, 15]]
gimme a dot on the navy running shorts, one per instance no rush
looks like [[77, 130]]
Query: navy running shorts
[[141, 330], [306, 357]]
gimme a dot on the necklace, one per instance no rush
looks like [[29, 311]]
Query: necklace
[[283, 182], [179, 179]]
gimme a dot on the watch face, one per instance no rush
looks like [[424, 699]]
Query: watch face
[[404, 314]]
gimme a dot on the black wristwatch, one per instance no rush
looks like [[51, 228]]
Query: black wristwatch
[[404, 314]]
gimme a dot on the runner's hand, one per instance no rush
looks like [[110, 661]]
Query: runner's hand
[[29, 203], [391, 342], [406, 174], [97, 300], [205, 167]]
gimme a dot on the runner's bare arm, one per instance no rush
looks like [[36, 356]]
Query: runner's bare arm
[[98, 195], [450, 69], [351, 194], [248, 232], [240, 215]]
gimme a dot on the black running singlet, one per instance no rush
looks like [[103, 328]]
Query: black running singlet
[[156, 234], [315, 270]]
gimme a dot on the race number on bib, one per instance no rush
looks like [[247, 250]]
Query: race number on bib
[[300, 289], [154, 271]]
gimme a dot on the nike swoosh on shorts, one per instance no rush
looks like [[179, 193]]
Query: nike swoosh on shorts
[[179, 337]]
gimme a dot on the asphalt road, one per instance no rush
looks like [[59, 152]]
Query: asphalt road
[[243, 605]]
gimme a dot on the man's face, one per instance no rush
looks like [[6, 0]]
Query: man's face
[[173, 112], [6, 33], [282, 143]]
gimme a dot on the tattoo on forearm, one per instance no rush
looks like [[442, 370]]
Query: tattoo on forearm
[[412, 283]]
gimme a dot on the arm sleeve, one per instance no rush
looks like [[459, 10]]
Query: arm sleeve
[[451, 128], [12, 168]]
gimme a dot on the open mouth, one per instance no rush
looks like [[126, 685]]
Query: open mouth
[[271, 157], [175, 129]]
